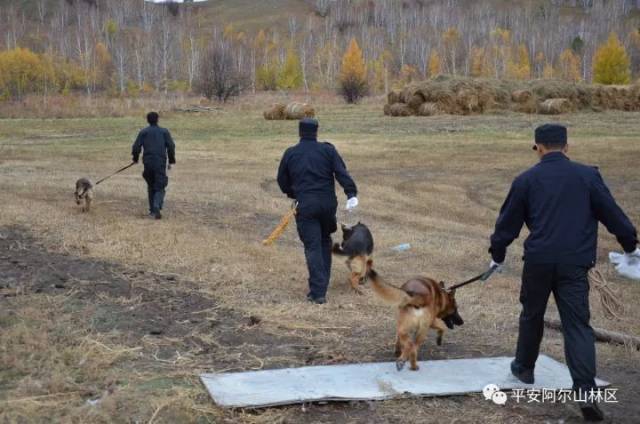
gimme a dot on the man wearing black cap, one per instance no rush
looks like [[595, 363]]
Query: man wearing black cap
[[156, 144], [306, 174], [561, 202]]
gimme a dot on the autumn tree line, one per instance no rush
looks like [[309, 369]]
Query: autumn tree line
[[130, 47]]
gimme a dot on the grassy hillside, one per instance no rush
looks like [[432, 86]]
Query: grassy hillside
[[252, 15]]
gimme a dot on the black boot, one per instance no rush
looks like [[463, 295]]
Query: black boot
[[522, 374], [316, 300], [591, 411]]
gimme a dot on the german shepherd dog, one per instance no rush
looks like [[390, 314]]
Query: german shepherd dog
[[357, 244], [84, 194], [422, 304]]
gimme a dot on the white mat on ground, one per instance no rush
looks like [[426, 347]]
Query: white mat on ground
[[376, 381]]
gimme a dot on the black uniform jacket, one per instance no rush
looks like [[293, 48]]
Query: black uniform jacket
[[157, 145], [309, 168], [561, 202]]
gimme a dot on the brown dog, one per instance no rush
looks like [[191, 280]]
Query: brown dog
[[422, 304], [84, 194]]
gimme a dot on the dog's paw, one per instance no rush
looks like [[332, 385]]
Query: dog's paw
[[357, 291], [414, 368], [400, 364]]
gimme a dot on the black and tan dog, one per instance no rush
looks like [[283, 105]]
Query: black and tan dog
[[84, 194], [422, 304], [357, 244]]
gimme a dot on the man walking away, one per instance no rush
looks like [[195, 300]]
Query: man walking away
[[307, 173], [561, 202], [157, 145]]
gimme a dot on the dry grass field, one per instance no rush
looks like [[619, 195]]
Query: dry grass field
[[110, 316]]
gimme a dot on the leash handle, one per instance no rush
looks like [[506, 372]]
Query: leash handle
[[117, 172], [488, 273], [482, 277]]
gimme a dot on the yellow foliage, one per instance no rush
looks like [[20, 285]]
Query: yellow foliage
[[570, 66], [547, 71], [501, 51], [611, 64], [408, 74], [111, 27], [353, 64], [228, 31], [267, 76], [378, 70], [353, 84], [435, 64], [520, 69], [477, 60], [104, 66], [23, 72], [451, 37], [502, 36], [260, 41], [290, 76]]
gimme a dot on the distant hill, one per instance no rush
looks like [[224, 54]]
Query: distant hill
[[251, 15]]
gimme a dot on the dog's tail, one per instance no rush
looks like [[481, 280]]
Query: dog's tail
[[390, 294]]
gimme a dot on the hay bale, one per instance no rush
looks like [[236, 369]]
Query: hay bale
[[298, 110], [555, 89], [467, 101], [393, 97], [275, 112], [618, 97], [555, 106], [400, 109], [415, 101], [428, 109], [406, 94], [521, 96]]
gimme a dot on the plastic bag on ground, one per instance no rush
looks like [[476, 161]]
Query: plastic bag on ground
[[629, 268]]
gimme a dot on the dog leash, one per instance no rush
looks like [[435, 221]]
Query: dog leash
[[482, 277], [117, 172]]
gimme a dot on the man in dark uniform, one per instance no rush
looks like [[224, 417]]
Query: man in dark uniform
[[561, 202], [157, 144], [306, 174]]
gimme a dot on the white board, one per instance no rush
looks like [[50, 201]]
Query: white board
[[376, 381]]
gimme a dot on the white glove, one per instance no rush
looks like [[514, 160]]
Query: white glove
[[633, 257], [498, 266], [352, 203]]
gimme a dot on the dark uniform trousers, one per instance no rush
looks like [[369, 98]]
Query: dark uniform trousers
[[570, 289], [155, 174], [316, 221]]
